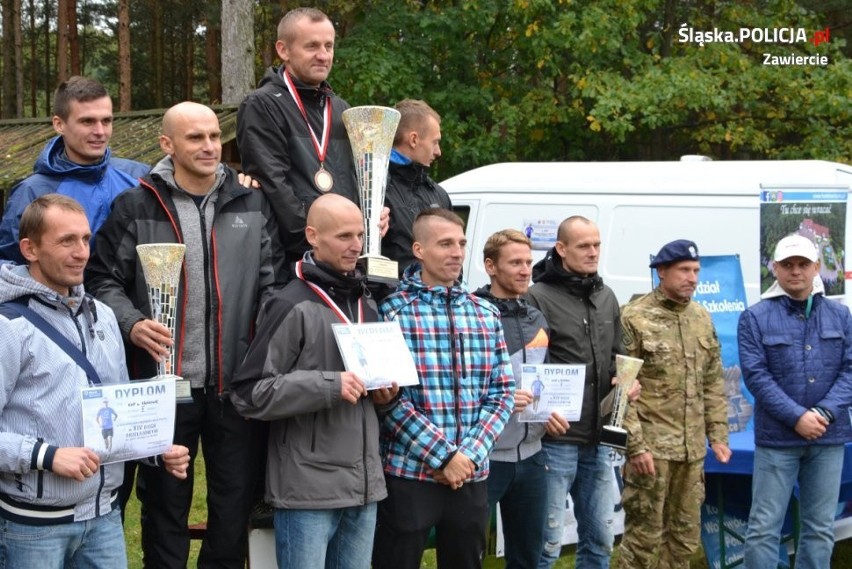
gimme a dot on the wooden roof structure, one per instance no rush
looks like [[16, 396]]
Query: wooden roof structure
[[135, 135]]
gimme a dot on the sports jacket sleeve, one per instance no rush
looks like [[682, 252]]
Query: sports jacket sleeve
[[16, 450], [268, 386], [715, 402], [414, 431], [839, 397], [273, 268], [112, 269]]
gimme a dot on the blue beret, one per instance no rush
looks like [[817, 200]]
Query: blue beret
[[680, 250]]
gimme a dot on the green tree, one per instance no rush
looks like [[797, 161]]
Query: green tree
[[597, 79]]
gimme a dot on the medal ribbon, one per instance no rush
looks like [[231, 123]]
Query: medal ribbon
[[321, 147], [328, 300]]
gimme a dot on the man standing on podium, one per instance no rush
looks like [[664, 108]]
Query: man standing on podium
[[796, 357]]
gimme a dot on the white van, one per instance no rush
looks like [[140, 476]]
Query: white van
[[639, 206]]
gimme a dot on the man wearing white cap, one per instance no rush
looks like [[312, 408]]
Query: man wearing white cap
[[796, 357]]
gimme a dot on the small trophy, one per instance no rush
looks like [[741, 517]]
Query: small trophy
[[371, 131], [613, 434], [161, 264]]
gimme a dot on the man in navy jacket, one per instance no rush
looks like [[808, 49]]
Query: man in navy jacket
[[796, 356]]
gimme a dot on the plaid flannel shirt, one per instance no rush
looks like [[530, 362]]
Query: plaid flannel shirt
[[466, 391]]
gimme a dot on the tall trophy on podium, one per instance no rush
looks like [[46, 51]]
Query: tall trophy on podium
[[615, 404], [161, 265], [371, 131]]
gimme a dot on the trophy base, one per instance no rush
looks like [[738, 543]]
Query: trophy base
[[614, 437], [183, 389], [379, 269]]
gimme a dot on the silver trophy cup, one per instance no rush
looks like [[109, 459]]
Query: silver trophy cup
[[613, 434], [161, 264], [371, 131]]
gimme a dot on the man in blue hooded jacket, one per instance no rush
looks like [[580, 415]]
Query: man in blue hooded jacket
[[76, 163]]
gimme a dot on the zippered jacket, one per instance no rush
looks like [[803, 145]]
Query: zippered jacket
[[526, 333], [323, 451], [466, 390], [95, 186], [40, 402], [584, 329], [410, 190], [244, 262], [792, 363], [276, 148]]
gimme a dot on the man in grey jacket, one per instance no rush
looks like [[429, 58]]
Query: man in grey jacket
[[58, 502], [324, 473]]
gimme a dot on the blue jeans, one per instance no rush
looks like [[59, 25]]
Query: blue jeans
[[340, 538], [93, 544], [776, 470], [585, 471], [521, 489]]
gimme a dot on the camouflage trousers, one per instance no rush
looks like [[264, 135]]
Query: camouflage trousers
[[662, 523]]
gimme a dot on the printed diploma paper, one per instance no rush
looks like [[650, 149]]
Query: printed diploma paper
[[377, 353], [128, 421], [555, 388]]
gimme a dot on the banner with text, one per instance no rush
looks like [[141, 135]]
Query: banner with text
[[818, 215]]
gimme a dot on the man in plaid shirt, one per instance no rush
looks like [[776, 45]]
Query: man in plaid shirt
[[436, 436]]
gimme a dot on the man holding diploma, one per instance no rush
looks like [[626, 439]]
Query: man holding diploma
[[682, 406], [324, 474], [58, 504], [518, 470]]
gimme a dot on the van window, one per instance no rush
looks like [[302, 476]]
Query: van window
[[463, 211]]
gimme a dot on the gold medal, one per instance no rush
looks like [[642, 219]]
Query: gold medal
[[323, 180]]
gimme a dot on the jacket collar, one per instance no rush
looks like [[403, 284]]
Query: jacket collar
[[668, 303], [53, 161], [412, 173], [551, 270], [350, 286], [412, 282], [507, 306]]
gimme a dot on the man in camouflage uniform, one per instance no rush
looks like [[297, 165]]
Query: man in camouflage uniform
[[682, 402]]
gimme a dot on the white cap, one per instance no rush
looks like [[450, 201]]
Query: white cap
[[796, 246]]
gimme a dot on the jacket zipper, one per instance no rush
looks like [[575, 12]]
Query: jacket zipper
[[39, 478], [100, 489], [364, 451], [517, 320], [208, 280], [587, 320], [456, 379]]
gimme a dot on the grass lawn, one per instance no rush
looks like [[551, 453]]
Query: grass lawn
[[842, 558]]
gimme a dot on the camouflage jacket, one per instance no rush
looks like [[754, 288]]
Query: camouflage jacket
[[682, 399]]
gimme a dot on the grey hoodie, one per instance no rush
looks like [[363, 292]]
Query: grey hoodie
[[40, 408]]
